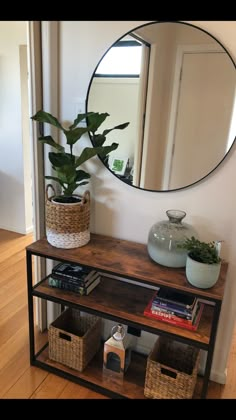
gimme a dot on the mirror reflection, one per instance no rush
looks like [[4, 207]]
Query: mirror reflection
[[175, 84]]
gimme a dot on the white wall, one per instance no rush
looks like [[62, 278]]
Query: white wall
[[107, 95], [26, 139], [126, 212], [12, 209]]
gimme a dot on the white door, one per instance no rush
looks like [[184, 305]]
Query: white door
[[205, 103]]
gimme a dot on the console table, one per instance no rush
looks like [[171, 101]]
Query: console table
[[123, 302]]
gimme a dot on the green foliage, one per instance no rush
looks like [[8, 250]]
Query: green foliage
[[66, 164], [201, 251]]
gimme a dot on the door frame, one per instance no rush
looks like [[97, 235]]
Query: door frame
[[181, 50], [43, 53], [50, 71], [35, 104], [142, 100]]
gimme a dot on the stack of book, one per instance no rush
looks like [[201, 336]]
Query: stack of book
[[73, 277], [175, 308]]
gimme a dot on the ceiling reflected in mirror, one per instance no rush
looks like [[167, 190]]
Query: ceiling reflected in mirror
[[176, 85]]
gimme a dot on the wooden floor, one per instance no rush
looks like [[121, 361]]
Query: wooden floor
[[19, 380]]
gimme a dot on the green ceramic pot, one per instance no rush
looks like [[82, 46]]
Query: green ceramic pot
[[202, 275]]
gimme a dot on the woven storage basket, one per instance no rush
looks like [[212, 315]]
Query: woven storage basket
[[67, 225], [171, 370], [74, 339]]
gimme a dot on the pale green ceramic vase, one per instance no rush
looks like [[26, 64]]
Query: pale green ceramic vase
[[165, 237]]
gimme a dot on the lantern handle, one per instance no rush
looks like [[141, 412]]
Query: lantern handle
[[118, 332]]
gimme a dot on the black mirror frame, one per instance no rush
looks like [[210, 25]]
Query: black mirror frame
[[229, 152]]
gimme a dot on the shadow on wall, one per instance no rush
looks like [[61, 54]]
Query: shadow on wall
[[12, 209]]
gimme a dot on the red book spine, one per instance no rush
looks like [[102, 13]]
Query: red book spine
[[192, 327], [172, 317]]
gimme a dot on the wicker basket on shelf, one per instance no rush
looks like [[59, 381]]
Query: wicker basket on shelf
[[74, 339], [67, 225], [171, 370]]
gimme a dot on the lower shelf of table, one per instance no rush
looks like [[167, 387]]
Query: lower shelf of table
[[132, 385]]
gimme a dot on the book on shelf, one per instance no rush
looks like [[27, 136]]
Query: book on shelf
[[173, 320], [166, 315], [72, 271], [189, 315], [173, 307], [76, 288], [83, 280], [165, 297]]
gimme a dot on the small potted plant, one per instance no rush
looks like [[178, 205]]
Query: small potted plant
[[68, 214], [203, 262]]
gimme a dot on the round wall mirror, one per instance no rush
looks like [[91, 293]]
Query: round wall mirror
[[176, 85]]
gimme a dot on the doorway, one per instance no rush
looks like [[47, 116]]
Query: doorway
[[197, 118], [21, 160], [15, 164]]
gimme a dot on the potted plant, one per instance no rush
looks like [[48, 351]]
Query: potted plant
[[68, 214], [203, 262]]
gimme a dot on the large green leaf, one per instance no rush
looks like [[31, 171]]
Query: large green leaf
[[80, 175], [79, 118], [73, 135], [67, 174], [54, 178], [118, 127], [61, 159], [49, 140], [45, 117], [68, 191], [82, 183], [103, 151], [95, 120], [98, 139], [90, 152]]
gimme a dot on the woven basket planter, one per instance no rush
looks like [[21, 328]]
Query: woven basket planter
[[74, 339], [67, 225], [171, 370]]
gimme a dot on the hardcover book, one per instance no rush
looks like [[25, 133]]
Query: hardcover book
[[83, 280], [164, 296], [173, 307], [167, 315], [71, 270], [171, 319], [190, 314], [82, 290]]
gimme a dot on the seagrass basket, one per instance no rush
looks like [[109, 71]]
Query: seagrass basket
[[171, 370], [67, 225], [74, 339]]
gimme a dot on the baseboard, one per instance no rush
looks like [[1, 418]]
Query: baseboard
[[29, 229], [215, 376], [18, 229], [15, 229], [219, 377]]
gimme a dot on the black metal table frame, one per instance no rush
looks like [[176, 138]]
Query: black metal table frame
[[33, 356]]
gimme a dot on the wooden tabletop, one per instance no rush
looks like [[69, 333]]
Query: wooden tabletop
[[129, 260]]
